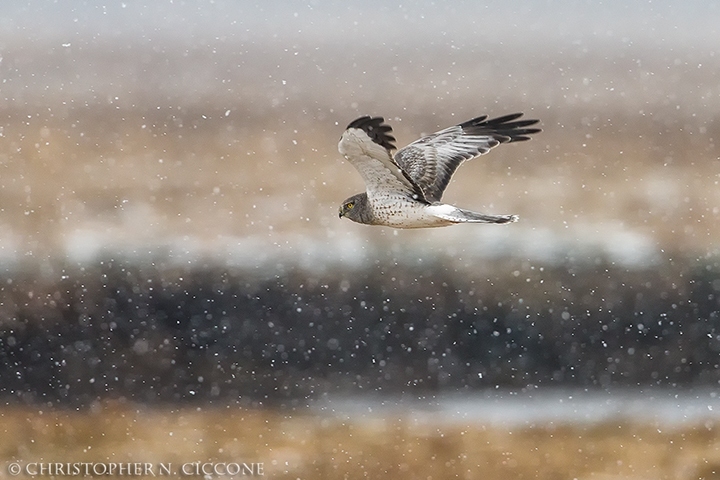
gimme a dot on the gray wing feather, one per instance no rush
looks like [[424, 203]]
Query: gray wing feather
[[366, 145], [380, 179], [432, 160]]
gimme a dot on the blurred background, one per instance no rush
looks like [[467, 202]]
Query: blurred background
[[175, 284]]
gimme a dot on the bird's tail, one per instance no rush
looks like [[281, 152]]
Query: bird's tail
[[474, 217], [458, 215]]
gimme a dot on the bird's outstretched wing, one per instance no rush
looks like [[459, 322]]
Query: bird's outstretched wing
[[431, 161], [367, 145]]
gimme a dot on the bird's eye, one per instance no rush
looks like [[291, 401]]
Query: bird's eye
[[350, 205]]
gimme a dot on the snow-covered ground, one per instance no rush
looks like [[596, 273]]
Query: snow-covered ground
[[531, 407]]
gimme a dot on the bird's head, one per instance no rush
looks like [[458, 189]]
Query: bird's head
[[346, 207], [356, 208]]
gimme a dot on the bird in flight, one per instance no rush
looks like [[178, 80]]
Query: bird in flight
[[404, 190]]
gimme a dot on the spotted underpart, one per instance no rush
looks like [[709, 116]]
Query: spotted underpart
[[404, 191]]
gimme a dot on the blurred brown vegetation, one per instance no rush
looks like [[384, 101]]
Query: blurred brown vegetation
[[133, 146], [299, 445]]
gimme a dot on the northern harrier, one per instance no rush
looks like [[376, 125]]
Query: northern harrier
[[404, 191]]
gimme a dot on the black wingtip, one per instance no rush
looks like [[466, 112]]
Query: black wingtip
[[504, 129], [376, 129]]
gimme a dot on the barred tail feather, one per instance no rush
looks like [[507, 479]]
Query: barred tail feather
[[467, 216], [458, 215]]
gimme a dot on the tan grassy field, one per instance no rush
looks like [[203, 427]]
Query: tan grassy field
[[301, 445], [123, 156], [206, 188]]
